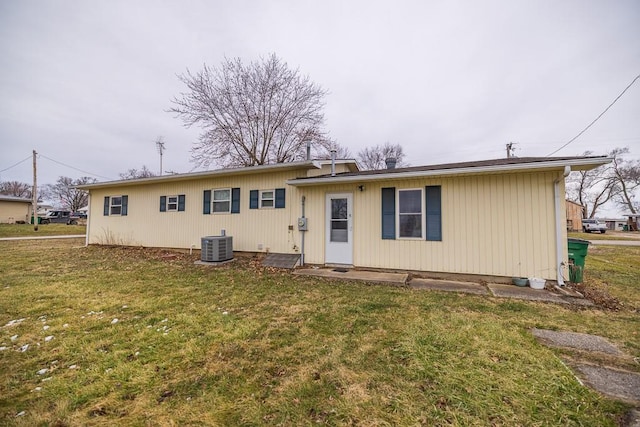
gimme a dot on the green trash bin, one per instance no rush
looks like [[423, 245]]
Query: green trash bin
[[577, 253], [39, 219], [625, 227]]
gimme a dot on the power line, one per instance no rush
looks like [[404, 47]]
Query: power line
[[13, 166], [597, 118], [79, 170]]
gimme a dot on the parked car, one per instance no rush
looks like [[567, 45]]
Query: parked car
[[591, 225], [61, 217], [77, 218]]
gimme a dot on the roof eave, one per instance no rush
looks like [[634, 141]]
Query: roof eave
[[203, 175], [575, 164]]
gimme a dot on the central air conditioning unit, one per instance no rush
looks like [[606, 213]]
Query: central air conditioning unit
[[216, 248]]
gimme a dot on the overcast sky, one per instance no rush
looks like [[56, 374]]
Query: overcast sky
[[88, 83]]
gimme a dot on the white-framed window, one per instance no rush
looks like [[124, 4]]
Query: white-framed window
[[267, 198], [411, 213], [221, 202], [172, 203], [115, 205]]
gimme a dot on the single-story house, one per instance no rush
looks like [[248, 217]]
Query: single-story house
[[615, 224], [503, 217], [13, 209], [574, 216]]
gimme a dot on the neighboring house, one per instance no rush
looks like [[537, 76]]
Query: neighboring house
[[14, 209], [633, 222], [502, 217], [614, 224], [574, 216]]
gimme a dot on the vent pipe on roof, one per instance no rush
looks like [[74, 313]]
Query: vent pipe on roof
[[333, 162], [391, 162]]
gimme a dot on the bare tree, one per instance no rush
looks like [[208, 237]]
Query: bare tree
[[64, 192], [374, 157], [16, 189], [627, 176], [135, 173], [342, 152], [253, 114]]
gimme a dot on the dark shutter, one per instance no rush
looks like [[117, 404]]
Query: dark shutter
[[280, 196], [235, 200], [107, 200], [163, 203], [125, 205], [434, 212], [181, 200], [253, 199], [389, 213], [206, 202]]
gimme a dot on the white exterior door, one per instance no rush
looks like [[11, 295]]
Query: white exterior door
[[339, 229]]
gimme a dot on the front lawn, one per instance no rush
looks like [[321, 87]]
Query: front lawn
[[26, 230], [127, 336]]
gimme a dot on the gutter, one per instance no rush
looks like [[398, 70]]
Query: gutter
[[557, 200]]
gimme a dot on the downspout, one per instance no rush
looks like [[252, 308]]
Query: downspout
[[302, 240], [560, 222], [86, 233]]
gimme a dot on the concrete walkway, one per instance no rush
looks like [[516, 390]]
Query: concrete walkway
[[491, 289], [609, 376], [69, 236], [351, 274], [615, 242]]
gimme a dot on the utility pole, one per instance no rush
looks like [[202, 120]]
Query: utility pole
[[34, 193], [160, 147], [510, 150]]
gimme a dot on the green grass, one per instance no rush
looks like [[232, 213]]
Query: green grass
[[244, 345], [26, 230]]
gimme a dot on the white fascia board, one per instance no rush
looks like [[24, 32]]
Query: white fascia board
[[517, 167]]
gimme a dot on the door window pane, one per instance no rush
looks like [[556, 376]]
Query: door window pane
[[339, 221]]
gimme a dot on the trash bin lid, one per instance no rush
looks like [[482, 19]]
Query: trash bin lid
[[582, 241]]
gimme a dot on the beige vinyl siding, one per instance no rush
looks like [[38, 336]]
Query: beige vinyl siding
[[499, 225], [12, 211], [145, 225]]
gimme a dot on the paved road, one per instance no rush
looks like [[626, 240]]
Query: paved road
[[69, 236]]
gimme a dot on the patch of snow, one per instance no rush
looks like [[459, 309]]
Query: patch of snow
[[3, 348], [164, 320], [224, 313], [14, 322], [66, 325], [125, 306], [46, 327], [37, 389], [21, 414], [137, 353], [48, 338], [46, 379], [42, 371], [114, 321], [14, 337], [73, 367]]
